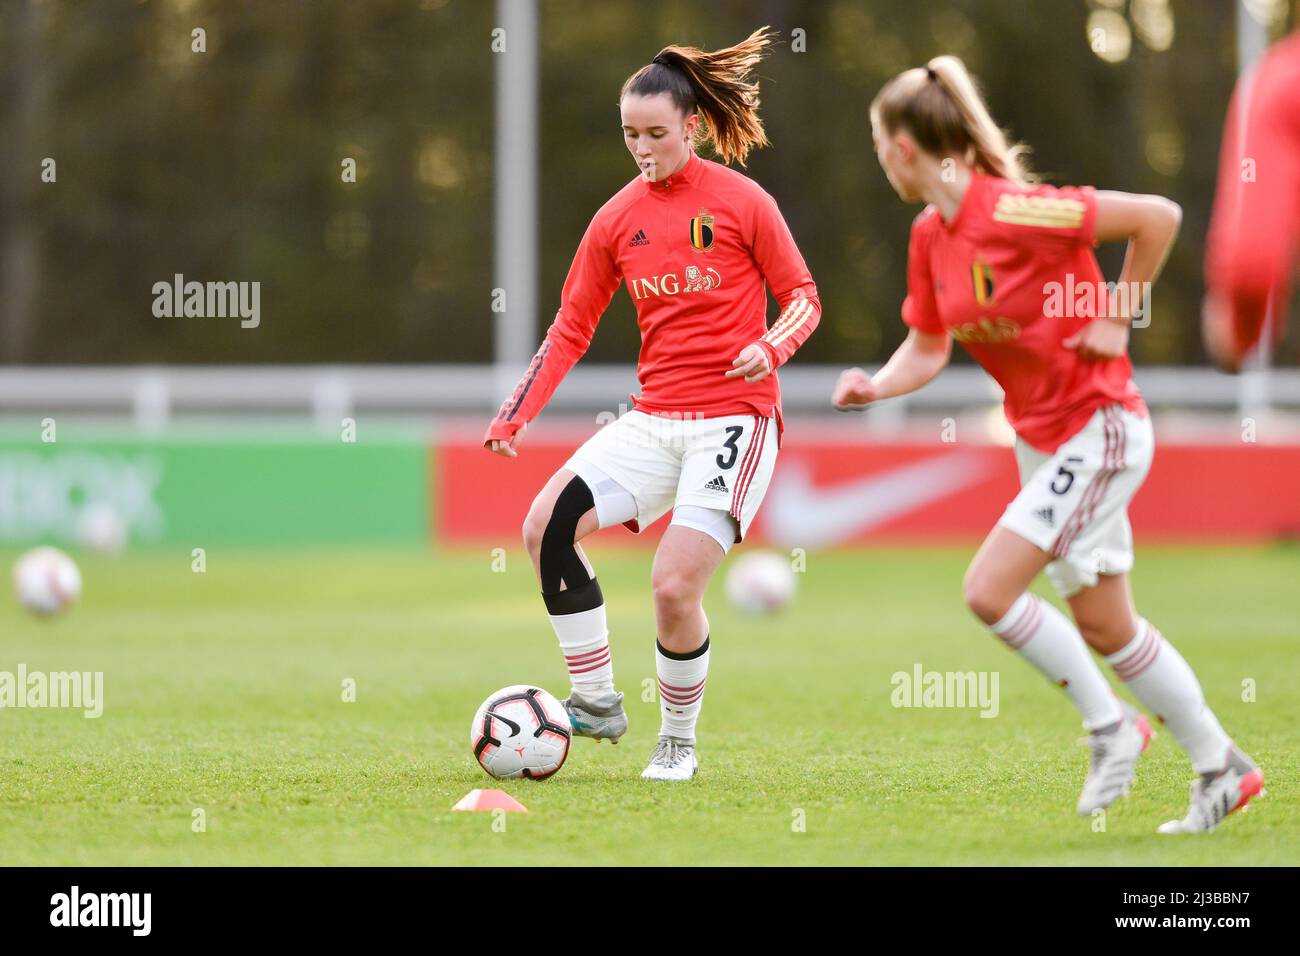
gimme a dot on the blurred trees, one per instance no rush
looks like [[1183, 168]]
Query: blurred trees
[[226, 164]]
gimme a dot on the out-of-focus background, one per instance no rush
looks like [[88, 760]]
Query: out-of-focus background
[[407, 181], [323, 574]]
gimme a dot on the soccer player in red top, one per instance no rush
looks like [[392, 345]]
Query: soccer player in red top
[[1255, 230], [697, 245], [1007, 268]]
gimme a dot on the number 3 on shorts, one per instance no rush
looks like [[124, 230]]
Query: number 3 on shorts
[[733, 435]]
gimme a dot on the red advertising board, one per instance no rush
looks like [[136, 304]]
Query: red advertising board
[[832, 487]]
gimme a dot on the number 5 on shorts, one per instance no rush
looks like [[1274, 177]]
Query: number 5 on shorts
[[1066, 474]]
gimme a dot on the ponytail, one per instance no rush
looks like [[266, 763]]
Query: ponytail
[[716, 85], [942, 108]]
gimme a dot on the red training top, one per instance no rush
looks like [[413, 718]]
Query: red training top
[[695, 250], [1011, 277], [1255, 229]]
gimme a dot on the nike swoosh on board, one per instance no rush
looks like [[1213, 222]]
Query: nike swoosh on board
[[799, 513]]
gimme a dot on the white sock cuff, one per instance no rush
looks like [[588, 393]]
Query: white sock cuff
[[586, 660], [671, 665], [681, 682], [1138, 654], [1019, 624], [577, 631]]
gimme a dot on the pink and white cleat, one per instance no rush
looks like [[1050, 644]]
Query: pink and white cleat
[[1115, 752], [1217, 794]]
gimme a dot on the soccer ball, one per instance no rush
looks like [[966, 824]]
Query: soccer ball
[[760, 582], [521, 731], [46, 581], [102, 530]]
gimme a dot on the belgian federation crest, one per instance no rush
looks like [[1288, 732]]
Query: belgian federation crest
[[982, 277], [702, 232]]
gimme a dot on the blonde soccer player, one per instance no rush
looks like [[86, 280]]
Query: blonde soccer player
[[985, 257]]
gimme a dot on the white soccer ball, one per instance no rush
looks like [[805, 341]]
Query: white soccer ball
[[760, 582], [102, 530], [46, 581], [521, 731]]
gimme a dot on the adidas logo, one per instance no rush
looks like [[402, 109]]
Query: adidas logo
[[717, 484], [1046, 515], [639, 239]]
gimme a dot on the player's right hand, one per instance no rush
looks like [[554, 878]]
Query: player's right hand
[[506, 449], [853, 391]]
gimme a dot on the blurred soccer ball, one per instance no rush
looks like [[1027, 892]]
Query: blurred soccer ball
[[521, 731], [102, 530], [760, 582], [46, 581]]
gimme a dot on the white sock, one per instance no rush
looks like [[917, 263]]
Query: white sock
[[1046, 638], [681, 689], [1164, 682], [584, 639]]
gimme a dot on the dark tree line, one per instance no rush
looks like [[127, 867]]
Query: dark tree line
[[227, 164]]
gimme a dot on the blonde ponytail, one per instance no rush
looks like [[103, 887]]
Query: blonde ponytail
[[942, 108]]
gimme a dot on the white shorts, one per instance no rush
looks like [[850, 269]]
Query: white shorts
[[664, 462], [1074, 503]]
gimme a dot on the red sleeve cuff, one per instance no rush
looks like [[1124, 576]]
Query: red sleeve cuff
[[500, 431], [772, 358]]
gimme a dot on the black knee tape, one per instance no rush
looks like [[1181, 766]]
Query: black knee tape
[[688, 656], [559, 558], [573, 600]]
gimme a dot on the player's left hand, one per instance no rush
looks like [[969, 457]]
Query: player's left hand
[[1099, 340], [752, 363], [1216, 330]]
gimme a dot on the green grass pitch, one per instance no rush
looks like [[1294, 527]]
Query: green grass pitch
[[223, 691]]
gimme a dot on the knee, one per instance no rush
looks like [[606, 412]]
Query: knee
[[535, 529], [983, 596], [1106, 636], [1092, 633], [675, 595], [559, 517]]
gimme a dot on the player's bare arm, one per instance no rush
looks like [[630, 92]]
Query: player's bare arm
[[1150, 225], [916, 362]]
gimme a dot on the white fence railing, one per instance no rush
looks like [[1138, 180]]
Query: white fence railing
[[153, 394]]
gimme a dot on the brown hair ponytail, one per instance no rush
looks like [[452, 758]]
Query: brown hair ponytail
[[942, 108], [716, 84]]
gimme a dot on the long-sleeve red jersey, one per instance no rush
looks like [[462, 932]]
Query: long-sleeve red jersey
[[1255, 228], [695, 250]]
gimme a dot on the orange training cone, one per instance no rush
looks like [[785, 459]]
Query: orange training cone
[[490, 800]]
